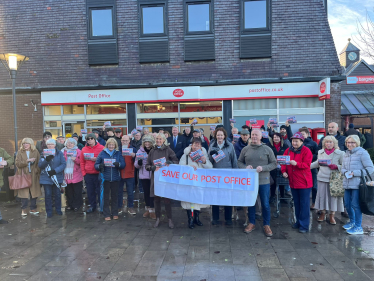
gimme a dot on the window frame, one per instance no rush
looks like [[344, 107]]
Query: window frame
[[148, 4], [114, 22], [255, 30], [211, 16]]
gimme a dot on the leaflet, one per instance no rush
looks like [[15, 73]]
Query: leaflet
[[292, 120], [134, 132], [108, 162], [283, 159], [219, 156], [196, 155], [348, 175], [324, 162], [107, 124], [127, 151], [47, 152], [71, 153], [142, 155], [273, 121], [83, 131], [265, 134], [88, 156], [194, 122], [253, 121], [160, 162], [212, 128], [236, 137], [232, 120], [139, 128], [275, 125]]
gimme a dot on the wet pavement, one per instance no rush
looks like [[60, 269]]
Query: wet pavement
[[84, 247]]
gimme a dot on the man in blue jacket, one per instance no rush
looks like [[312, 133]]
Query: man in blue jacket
[[177, 143], [99, 139], [242, 142], [333, 130]]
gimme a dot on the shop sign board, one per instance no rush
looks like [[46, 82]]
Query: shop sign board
[[324, 89], [360, 79]]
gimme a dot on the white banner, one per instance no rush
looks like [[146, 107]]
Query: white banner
[[227, 187]]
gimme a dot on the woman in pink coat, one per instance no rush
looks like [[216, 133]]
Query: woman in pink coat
[[73, 175]]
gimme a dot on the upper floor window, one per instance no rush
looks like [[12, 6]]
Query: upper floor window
[[153, 20], [199, 17], [101, 21], [255, 14]]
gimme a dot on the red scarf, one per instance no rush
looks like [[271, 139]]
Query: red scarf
[[329, 151], [277, 146], [285, 137]]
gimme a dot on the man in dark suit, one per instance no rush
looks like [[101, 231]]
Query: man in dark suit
[[177, 142]]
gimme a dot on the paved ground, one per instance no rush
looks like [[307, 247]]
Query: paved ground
[[84, 247]]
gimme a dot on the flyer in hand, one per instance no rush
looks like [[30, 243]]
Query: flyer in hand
[[71, 153], [139, 128], [253, 121], [236, 137], [232, 120], [196, 155], [107, 124], [324, 162], [273, 121], [108, 162], [83, 131], [47, 152], [127, 151], [160, 162], [212, 128], [194, 122], [141, 155], [265, 134], [134, 132], [88, 156], [283, 159], [219, 156], [275, 125], [292, 120]]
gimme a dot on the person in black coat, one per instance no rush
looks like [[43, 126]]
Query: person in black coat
[[369, 141], [177, 142], [187, 135], [312, 145], [277, 144], [333, 130]]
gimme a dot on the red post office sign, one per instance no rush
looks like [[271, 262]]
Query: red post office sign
[[178, 93], [324, 89]]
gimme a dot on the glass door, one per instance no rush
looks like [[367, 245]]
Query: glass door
[[71, 127]]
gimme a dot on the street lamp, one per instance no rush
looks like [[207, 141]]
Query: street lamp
[[12, 62]]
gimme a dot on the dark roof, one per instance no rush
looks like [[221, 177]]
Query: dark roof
[[349, 48], [357, 104], [351, 67]]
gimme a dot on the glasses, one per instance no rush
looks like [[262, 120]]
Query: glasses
[[90, 138]]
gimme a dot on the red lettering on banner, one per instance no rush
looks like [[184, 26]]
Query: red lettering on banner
[[178, 93], [170, 174]]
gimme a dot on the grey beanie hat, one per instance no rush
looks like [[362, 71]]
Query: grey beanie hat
[[91, 135]]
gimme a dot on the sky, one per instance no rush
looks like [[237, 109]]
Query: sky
[[343, 18]]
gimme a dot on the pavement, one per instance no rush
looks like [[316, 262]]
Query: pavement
[[76, 246]]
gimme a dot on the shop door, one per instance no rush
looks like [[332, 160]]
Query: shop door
[[71, 127], [162, 121]]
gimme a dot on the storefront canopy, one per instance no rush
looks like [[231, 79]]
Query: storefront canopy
[[357, 104]]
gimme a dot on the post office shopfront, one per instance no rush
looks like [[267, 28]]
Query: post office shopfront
[[67, 112]]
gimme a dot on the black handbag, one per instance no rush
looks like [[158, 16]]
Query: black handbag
[[366, 195]]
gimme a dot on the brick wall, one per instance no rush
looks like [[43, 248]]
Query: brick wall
[[333, 106], [30, 123]]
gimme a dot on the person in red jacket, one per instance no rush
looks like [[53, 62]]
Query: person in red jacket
[[300, 178], [91, 176]]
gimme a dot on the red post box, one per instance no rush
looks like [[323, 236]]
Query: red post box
[[318, 134]]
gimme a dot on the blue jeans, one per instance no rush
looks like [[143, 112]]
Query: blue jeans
[[50, 189], [130, 185], [264, 191], [25, 203], [301, 198], [93, 188], [352, 204]]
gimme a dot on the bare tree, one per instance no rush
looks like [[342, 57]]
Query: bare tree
[[365, 37]]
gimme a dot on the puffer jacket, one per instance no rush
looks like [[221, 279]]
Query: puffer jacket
[[239, 145], [77, 173], [111, 173], [88, 166], [143, 173], [230, 161], [354, 161], [58, 164], [324, 172]]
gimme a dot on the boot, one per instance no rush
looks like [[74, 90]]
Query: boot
[[146, 214], [152, 213], [196, 218], [332, 219], [321, 217], [157, 222], [190, 219]]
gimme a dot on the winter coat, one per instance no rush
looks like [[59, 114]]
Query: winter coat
[[143, 173], [9, 159], [187, 161], [58, 164], [181, 145], [258, 155], [40, 148], [369, 141], [300, 176], [22, 167], [101, 141], [88, 166], [312, 145], [351, 132], [354, 161], [111, 173], [187, 138], [230, 161], [203, 143], [324, 171], [129, 171], [281, 151], [157, 153], [239, 145], [77, 173], [341, 141], [136, 143]]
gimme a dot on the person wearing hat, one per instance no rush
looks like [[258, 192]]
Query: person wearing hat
[[145, 176], [300, 178], [107, 133], [277, 144], [187, 135], [118, 137], [242, 142], [79, 144], [90, 174], [196, 133], [205, 138], [98, 138], [40, 145], [286, 133], [61, 140]]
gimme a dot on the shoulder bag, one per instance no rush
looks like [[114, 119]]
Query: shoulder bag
[[366, 194], [336, 184], [20, 181]]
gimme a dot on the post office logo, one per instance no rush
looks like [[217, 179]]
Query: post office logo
[[178, 93]]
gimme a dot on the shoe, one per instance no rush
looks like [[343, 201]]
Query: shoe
[[24, 214], [90, 210], [295, 226], [344, 214], [228, 222], [68, 209], [302, 230], [191, 224], [115, 217], [332, 219], [120, 211], [131, 211], [215, 222], [108, 219], [355, 230], [250, 227], [312, 207], [321, 217], [259, 217], [152, 213], [156, 223], [34, 212], [3, 222], [267, 231], [171, 224], [196, 218], [348, 226]]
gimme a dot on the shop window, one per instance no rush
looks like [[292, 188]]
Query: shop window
[[73, 109], [300, 103], [117, 123], [55, 132], [199, 32], [157, 107], [102, 32], [106, 109], [255, 104], [52, 110], [52, 124], [255, 38], [201, 106]]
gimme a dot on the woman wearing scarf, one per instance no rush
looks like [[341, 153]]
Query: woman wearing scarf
[[73, 175], [27, 161], [145, 176], [324, 200], [160, 150], [110, 162], [301, 182], [203, 163]]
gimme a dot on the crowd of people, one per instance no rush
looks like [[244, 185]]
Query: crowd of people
[[330, 171]]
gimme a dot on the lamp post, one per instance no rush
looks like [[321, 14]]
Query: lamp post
[[12, 62]]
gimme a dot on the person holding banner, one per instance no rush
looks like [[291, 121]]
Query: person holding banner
[[27, 161], [300, 178], [220, 146], [201, 162], [110, 162], [330, 159], [161, 152], [260, 157], [57, 166]]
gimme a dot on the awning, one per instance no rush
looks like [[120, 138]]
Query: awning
[[357, 104]]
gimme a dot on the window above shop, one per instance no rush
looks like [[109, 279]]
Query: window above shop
[[255, 14], [153, 20], [101, 20], [198, 18]]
